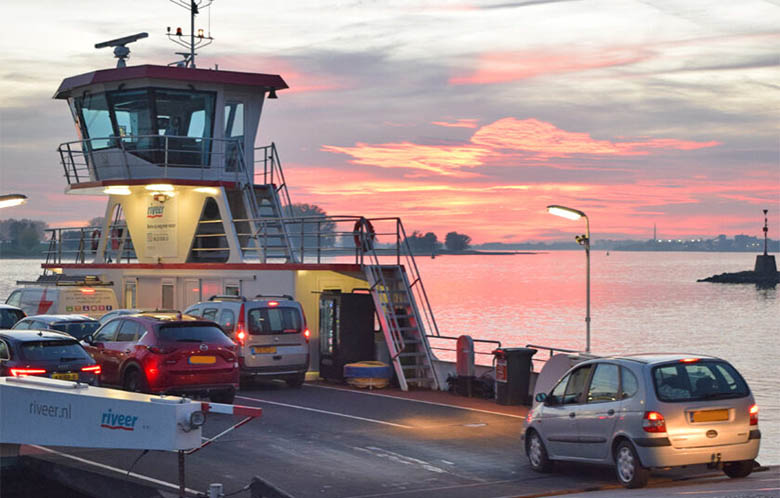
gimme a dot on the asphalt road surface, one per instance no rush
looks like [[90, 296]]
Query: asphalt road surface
[[331, 443]]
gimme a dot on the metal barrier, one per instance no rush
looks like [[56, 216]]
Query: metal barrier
[[152, 156]]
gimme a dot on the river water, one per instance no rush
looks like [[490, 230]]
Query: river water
[[641, 302]]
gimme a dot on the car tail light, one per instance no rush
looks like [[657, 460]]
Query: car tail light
[[95, 369], [159, 349], [307, 335], [754, 414], [654, 422], [273, 304], [689, 360], [16, 372], [241, 327]]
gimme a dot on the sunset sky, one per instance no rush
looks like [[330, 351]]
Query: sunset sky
[[454, 115]]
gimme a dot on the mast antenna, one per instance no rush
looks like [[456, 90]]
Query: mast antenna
[[196, 40], [120, 51]]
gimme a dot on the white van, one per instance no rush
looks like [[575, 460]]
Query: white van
[[93, 301]]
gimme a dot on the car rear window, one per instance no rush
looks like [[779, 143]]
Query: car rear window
[[698, 380], [57, 350], [79, 330], [9, 317], [193, 333], [266, 321]]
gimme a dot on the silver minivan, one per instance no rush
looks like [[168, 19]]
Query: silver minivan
[[271, 333], [646, 411]]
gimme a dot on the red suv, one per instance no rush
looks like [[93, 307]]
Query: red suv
[[166, 354]]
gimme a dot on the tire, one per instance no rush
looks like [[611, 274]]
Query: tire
[[226, 397], [134, 381], [737, 470], [629, 470], [296, 381], [537, 453]]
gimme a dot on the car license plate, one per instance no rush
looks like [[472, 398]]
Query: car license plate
[[263, 349], [710, 416], [65, 376], [203, 360]]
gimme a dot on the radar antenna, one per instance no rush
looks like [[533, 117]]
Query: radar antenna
[[120, 51], [195, 40]]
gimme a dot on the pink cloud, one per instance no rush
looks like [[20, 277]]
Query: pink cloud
[[547, 140], [533, 139], [444, 160], [460, 123], [502, 67]]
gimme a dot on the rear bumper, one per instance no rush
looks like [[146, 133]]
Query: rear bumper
[[669, 456], [274, 370], [195, 389]]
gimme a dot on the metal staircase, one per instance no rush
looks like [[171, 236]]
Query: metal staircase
[[402, 321], [265, 210]]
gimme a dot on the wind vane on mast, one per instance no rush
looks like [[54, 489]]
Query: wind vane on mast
[[196, 40]]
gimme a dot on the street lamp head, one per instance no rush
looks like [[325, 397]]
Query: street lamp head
[[10, 200], [565, 212]]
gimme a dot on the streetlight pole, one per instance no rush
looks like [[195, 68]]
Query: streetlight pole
[[584, 241]]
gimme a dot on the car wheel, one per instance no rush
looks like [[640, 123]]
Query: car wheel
[[134, 381], [296, 381], [736, 470], [630, 472], [536, 452], [223, 397]]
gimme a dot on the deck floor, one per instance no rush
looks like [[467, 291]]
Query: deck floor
[[334, 441]]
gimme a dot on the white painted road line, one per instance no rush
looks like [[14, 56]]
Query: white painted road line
[[417, 401], [326, 412], [118, 470]]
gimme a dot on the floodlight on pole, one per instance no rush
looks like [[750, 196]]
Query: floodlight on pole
[[10, 200], [584, 241]]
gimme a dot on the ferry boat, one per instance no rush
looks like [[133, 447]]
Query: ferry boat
[[196, 209]]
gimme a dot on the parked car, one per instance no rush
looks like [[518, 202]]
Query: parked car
[[270, 330], [646, 411], [9, 315], [79, 326], [115, 313], [45, 353], [89, 298], [166, 355]]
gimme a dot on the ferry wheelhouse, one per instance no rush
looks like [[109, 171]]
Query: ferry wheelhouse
[[195, 209]]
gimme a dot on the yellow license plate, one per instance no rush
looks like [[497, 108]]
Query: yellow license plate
[[711, 416], [265, 349], [65, 376], [203, 360]]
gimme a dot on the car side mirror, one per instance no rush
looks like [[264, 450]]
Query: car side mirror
[[541, 397], [88, 339]]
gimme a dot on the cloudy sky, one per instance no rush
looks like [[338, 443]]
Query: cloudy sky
[[464, 115]]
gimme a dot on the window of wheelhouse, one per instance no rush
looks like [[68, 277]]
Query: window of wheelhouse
[[162, 126], [234, 131], [96, 120]]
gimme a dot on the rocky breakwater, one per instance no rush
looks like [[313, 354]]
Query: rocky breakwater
[[764, 274]]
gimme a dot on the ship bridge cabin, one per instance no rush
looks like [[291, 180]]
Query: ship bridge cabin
[[196, 210], [172, 142]]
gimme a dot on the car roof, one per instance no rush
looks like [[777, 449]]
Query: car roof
[[34, 335], [61, 318], [654, 358], [165, 318], [4, 306]]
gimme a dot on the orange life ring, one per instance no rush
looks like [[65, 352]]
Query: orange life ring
[[368, 239], [95, 239]]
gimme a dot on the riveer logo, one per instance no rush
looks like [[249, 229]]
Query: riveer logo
[[114, 421], [155, 211]]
